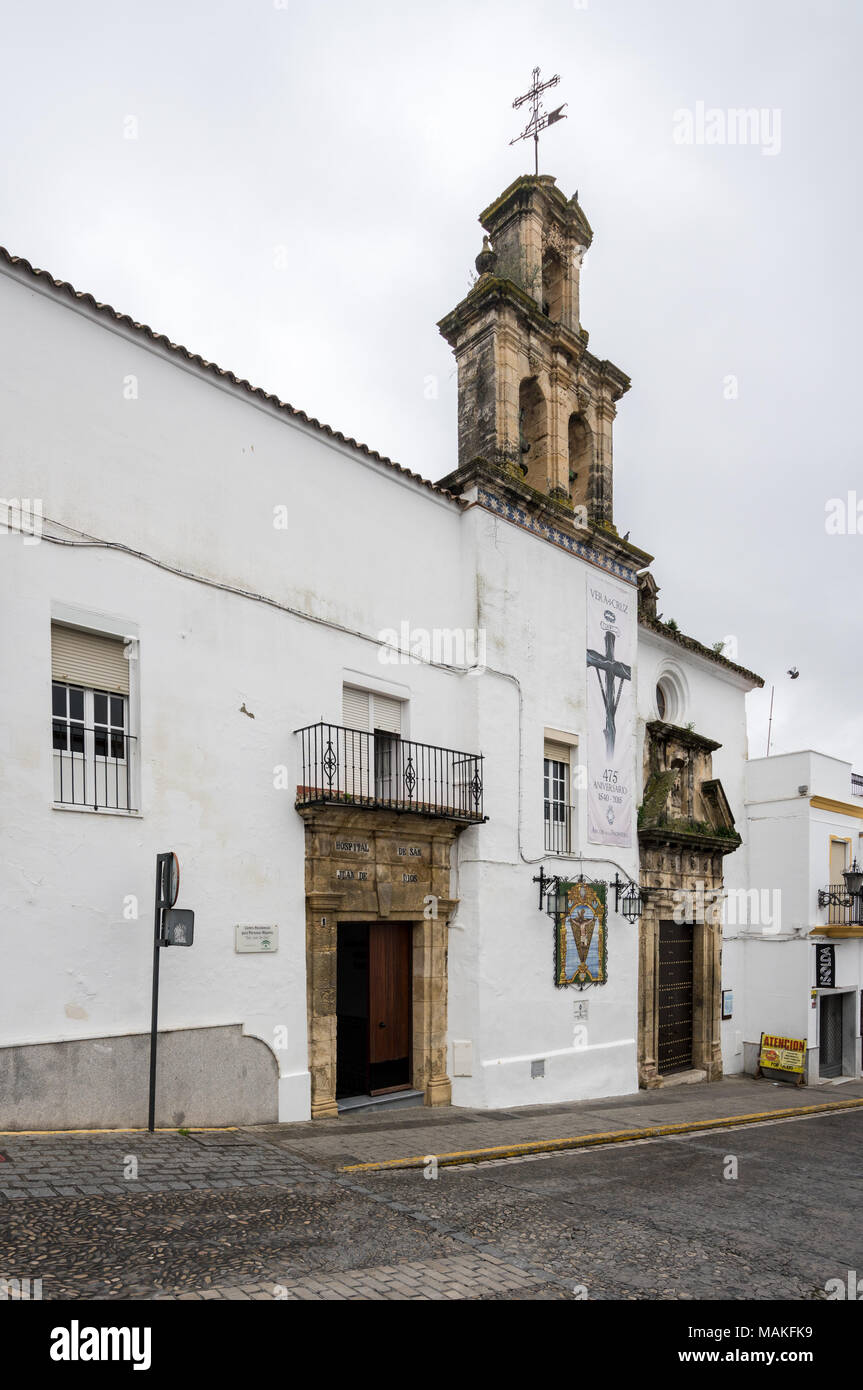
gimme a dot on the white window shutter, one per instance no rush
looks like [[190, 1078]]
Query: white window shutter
[[558, 752], [88, 659], [355, 708], [387, 714]]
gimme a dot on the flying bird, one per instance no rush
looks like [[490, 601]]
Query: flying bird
[[794, 673]]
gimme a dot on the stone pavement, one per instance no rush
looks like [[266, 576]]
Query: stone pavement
[[86, 1165], [369, 1137], [455, 1277], [265, 1213]]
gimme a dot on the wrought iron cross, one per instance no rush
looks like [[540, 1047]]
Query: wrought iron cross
[[614, 671], [539, 120]]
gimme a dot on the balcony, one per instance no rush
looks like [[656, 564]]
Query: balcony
[[844, 910], [379, 771], [559, 827], [857, 783]]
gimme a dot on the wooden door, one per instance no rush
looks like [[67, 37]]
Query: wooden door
[[675, 997], [389, 1006]]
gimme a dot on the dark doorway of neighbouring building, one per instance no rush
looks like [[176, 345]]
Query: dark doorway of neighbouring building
[[373, 1008], [674, 1048], [830, 1036]]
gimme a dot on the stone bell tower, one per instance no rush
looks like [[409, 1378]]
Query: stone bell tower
[[534, 405]]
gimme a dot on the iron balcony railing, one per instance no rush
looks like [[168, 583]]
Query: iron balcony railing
[[559, 827], [857, 783], [350, 767], [844, 909], [92, 766]]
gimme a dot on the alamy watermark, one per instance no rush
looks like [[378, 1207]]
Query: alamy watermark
[[24, 1290], [736, 125], [731, 907], [844, 515], [443, 646], [22, 515]]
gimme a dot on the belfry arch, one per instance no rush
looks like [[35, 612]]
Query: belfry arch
[[552, 286], [580, 444], [533, 432]]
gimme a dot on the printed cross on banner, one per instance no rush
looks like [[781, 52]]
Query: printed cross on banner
[[613, 671]]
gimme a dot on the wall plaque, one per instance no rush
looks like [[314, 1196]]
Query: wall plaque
[[252, 938]]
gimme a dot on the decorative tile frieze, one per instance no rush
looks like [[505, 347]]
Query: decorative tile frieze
[[520, 517]]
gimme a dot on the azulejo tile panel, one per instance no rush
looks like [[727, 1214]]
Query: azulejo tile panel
[[549, 533]]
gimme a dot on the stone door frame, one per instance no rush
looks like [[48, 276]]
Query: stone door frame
[[668, 869], [379, 896]]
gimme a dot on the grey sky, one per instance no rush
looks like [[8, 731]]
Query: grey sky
[[300, 206]]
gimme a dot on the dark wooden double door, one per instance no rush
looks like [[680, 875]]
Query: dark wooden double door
[[675, 1002], [373, 1008]]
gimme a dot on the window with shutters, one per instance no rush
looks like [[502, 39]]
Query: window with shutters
[[372, 764], [92, 746], [558, 811]]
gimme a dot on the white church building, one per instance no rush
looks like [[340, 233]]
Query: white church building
[[431, 803]]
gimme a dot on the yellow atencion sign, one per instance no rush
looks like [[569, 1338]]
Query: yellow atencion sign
[[782, 1054]]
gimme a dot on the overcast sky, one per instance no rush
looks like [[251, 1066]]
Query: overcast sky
[[300, 203]]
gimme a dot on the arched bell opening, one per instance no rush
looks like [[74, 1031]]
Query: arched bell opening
[[533, 433], [580, 459]]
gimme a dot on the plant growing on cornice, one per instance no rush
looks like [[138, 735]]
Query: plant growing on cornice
[[718, 648], [516, 270], [672, 625]]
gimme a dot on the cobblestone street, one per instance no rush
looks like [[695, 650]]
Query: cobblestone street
[[267, 1214]]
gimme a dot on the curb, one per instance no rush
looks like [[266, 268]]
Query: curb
[[187, 1129], [589, 1141]]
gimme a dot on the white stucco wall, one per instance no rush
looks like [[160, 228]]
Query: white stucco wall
[[503, 998], [188, 473]]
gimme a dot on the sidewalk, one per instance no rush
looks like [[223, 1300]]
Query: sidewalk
[[406, 1137]]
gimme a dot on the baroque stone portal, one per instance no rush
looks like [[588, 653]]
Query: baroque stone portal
[[370, 866]]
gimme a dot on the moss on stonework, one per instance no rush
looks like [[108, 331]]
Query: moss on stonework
[[691, 829], [656, 795]]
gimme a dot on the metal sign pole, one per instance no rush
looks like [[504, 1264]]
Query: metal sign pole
[[171, 927], [154, 1021]]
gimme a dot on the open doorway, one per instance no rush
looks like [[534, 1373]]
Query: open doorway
[[373, 1008]]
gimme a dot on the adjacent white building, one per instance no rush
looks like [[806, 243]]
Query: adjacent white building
[[799, 939]]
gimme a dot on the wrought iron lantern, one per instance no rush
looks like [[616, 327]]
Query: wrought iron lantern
[[629, 898], [853, 879], [552, 893]]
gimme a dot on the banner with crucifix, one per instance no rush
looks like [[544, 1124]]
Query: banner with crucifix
[[611, 619]]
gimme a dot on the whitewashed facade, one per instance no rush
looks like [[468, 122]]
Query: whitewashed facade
[[229, 549]]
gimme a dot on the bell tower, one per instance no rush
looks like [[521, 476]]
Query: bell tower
[[534, 405]]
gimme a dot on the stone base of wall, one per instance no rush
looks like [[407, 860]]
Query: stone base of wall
[[205, 1076]]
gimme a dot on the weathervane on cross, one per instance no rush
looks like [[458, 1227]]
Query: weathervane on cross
[[539, 120]]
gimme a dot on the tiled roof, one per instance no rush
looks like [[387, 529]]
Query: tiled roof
[[62, 287], [693, 645]]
